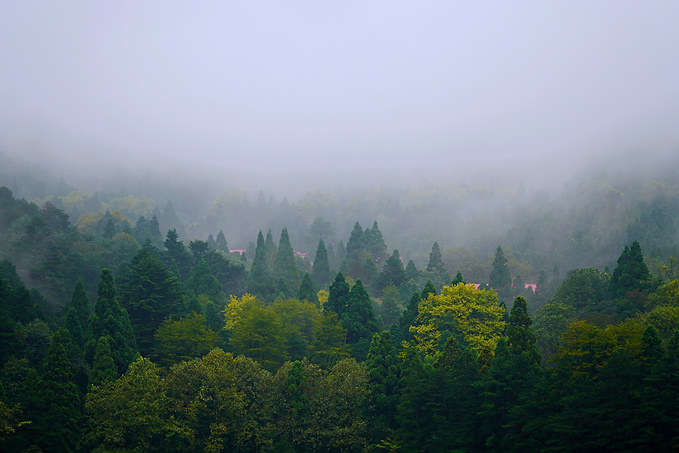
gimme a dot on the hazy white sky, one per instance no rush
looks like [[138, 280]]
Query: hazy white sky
[[307, 85]]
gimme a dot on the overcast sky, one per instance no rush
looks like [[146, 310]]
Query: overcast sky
[[295, 86]]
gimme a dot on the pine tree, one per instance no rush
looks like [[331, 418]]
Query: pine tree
[[261, 284], [284, 265], [203, 283], [375, 243], [458, 279], [81, 303], [113, 322], [359, 320], [103, 367], [307, 291], [408, 317], [520, 338], [320, 273], [338, 297], [499, 276], [151, 294], [59, 419], [392, 273], [631, 272], [271, 250], [435, 260], [221, 242], [411, 271], [384, 369]]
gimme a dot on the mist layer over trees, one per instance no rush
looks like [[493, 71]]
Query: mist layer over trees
[[473, 317]]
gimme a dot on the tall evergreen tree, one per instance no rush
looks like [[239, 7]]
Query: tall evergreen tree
[[271, 250], [520, 338], [307, 290], [375, 243], [81, 303], [113, 322], [203, 283], [59, 417], [631, 272], [221, 242], [359, 320], [151, 294], [338, 296], [411, 271], [284, 265], [408, 317], [392, 272], [320, 273], [177, 251], [435, 260], [458, 279], [384, 369], [500, 277], [261, 283], [103, 367]]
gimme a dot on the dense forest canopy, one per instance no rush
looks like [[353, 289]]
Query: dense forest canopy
[[471, 318]]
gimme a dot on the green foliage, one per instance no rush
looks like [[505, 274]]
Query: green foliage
[[321, 274], [384, 369], [111, 321], [183, 339], [150, 293], [284, 265], [132, 413], [392, 273], [520, 338], [329, 344], [307, 290], [499, 277], [81, 304], [203, 283], [259, 335], [260, 282], [631, 272], [583, 289], [103, 367], [550, 322], [58, 423], [359, 320]]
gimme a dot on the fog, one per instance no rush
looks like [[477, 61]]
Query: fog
[[290, 94]]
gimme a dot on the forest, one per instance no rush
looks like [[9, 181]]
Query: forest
[[459, 317]]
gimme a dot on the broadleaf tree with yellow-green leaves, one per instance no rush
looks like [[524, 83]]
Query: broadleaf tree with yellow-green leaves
[[474, 316]]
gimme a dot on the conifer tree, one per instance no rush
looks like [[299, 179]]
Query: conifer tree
[[271, 250], [375, 243], [458, 279], [413, 412], [261, 284], [113, 322], [427, 290], [392, 273], [221, 242], [203, 283], [435, 260], [307, 291], [359, 320], [72, 324], [284, 265], [408, 317], [520, 338], [103, 367], [81, 304], [384, 369], [499, 275], [150, 294], [59, 417], [109, 229], [338, 296], [411, 271], [630, 273], [177, 251], [320, 273]]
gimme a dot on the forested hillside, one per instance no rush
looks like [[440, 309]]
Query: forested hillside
[[441, 318]]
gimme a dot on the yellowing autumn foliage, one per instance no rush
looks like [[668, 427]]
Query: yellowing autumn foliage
[[474, 315]]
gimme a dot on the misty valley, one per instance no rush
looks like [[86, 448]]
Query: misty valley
[[154, 315]]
